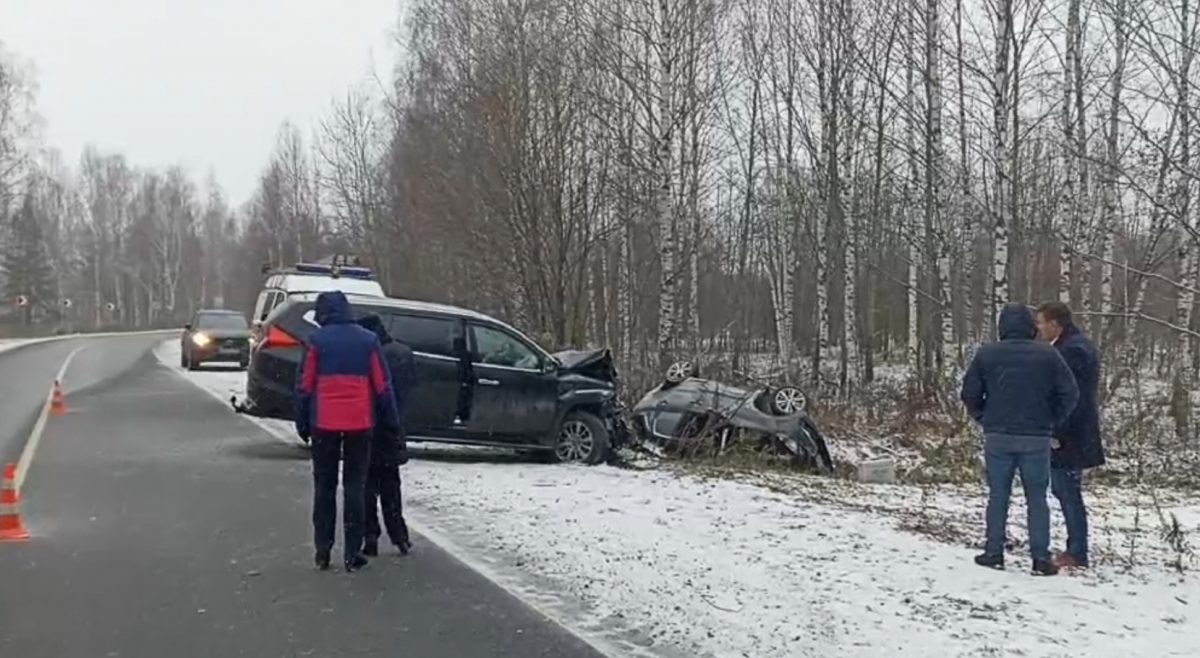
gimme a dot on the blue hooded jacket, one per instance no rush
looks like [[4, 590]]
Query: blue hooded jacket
[[1018, 386], [343, 383]]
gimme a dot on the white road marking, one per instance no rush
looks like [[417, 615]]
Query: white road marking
[[35, 437]]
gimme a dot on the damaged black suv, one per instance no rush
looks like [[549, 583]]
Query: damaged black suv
[[478, 380]]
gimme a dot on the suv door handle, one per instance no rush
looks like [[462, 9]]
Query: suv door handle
[[488, 382]]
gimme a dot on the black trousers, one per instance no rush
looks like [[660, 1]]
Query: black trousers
[[383, 483], [353, 449]]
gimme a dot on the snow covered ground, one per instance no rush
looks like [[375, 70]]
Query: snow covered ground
[[662, 563]]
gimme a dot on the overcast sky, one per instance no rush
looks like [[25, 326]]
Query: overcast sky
[[202, 83]]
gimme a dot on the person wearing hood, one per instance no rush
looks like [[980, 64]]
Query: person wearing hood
[[343, 393], [1077, 445], [1020, 390], [388, 449]]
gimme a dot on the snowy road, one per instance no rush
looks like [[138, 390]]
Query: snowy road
[[657, 564]]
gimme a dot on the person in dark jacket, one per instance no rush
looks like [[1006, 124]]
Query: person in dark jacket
[[1020, 391], [343, 392], [1077, 445], [388, 450]]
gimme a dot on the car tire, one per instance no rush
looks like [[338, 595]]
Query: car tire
[[679, 371], [788, 401], [582, 438]]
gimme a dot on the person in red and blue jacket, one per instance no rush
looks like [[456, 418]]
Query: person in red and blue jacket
[[343, 391]]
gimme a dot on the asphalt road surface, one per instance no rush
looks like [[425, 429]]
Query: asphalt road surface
[[165, 525]]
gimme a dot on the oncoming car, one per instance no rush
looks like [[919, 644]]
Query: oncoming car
[[215, 336], [478, 380]]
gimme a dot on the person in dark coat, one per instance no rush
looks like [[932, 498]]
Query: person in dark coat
[[343, 394], [1077, 445], [1020, 391], [389, 449]]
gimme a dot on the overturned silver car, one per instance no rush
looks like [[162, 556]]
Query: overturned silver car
[[689, 412]]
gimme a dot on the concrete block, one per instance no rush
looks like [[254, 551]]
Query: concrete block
[[881, 470]]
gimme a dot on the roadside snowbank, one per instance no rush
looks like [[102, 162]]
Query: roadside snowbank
[[7, 344], [661, 564], [13, 343]]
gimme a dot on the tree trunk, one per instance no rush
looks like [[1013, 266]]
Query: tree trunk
[[910, 222], [1069, 216], [664, 206], [625, 310], [970, 240], [825, 82], [1000, 112], [1108, 226], [935, 191], [850, 348], [1180, 389]]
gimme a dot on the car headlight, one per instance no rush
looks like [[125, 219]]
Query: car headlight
[[201, 340]]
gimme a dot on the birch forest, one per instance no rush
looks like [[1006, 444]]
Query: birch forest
[[830, 187]]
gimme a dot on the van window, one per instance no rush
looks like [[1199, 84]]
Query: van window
[[259, 305], [274, 298], [425, 334]]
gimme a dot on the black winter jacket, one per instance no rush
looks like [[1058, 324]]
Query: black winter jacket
[[1079, 436], [389, 446], [1018, 386]]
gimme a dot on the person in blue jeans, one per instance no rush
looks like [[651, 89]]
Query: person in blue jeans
[[1076, 445], [1020, 390]]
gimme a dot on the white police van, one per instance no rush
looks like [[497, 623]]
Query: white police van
[[336, 273]]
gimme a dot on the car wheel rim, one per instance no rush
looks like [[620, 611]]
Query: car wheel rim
[[789, 400], [576, 441], [679, 371]]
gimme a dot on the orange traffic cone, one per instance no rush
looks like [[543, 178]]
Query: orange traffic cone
[[58, 405], [11, 528]]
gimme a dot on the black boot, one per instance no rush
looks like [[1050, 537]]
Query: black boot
[[322, 560], [356, 562], [988, 560], [1044, 568], [371, 547]]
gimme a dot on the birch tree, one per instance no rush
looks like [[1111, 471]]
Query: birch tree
[[1110, 179], [935, 189]]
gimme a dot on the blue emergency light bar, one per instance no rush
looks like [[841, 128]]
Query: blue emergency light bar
[[353, 272]]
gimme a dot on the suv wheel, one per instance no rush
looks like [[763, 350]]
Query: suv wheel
[[582, 438]]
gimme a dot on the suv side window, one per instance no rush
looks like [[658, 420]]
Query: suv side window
[[425, 334], [495, 347]]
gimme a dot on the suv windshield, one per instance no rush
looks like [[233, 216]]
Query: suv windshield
[[230, 321]]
